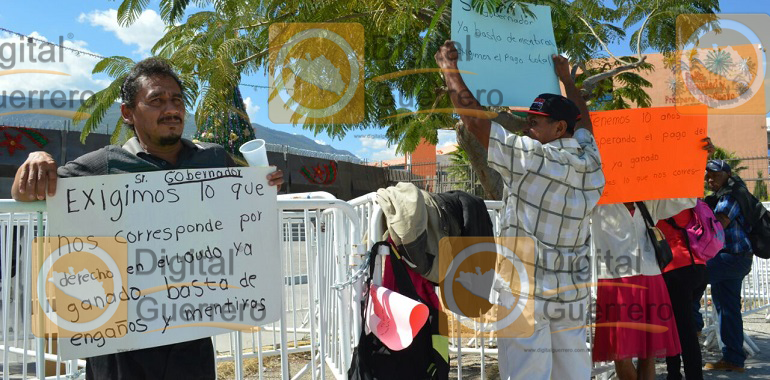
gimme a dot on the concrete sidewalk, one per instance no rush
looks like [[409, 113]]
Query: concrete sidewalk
[[757, 367]]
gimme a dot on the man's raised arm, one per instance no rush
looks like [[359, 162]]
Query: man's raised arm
[[461, 96], [561, 66], [34, 178]]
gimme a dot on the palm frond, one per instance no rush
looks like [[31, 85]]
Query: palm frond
[[130, 10]]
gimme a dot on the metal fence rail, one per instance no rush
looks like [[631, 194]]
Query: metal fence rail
[[755, 298]]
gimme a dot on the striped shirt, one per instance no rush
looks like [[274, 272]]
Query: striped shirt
[[550, 191]]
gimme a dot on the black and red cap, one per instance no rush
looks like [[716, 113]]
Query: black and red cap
[[556, 107]]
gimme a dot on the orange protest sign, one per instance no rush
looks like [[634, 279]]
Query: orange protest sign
[[651, 153]]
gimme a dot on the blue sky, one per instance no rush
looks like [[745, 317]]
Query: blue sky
[[91, 25]]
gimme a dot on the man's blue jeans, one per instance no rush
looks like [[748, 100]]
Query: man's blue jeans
[[726, 273]]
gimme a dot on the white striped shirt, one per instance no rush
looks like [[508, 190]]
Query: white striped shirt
[[550, 191]]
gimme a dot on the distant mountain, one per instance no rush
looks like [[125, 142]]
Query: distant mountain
[[297, 141], [41, 120]]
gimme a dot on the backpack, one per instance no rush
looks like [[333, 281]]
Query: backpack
[[427, 358], [760, 234], [704, 234], [755, 215]]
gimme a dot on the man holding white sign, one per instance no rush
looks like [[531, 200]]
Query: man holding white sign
[[553, 180], [153, 106]]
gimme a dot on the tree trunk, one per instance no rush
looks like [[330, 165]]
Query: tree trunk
[[490, 180], [590, 83]]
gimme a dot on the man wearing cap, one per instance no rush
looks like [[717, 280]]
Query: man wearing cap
[[731, 203], [553, 180]]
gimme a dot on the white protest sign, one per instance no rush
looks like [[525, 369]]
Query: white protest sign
[[202, 257], [508, 54]]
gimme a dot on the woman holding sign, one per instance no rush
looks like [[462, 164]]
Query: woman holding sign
[[634, 316]]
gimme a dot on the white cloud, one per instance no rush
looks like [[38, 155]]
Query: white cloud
[[446, 137], [251, 108], [446, 148], [77, 84], [373, 143], [379, 149], [144, 32], [320, 142]]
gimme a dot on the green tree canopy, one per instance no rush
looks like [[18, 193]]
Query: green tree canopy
[[215, 47]]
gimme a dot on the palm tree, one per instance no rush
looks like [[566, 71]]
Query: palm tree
[[731, 158], [760, 190], [460, 170]]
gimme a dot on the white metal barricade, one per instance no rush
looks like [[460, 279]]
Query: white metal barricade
[[319, 249], [755, 298], [323, 242], [479, 345], [21, 351]]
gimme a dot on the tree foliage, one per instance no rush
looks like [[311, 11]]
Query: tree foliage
[[760, 189], [461, 173], [736, 164], [215, 47]]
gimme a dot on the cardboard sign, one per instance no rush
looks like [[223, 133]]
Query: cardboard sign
[[651, 153], [202, 256], [509, 54]]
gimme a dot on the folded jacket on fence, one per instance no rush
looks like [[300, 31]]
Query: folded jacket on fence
[[465, 210], [410, 214], [417, 220]]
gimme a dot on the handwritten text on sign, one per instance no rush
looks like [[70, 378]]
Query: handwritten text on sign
[[650, 153], [203, 254], [510, 54]]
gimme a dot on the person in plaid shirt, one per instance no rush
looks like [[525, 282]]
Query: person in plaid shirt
[[728, 268], [553, 180]]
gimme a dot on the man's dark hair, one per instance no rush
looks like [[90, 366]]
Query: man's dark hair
[[570, 125], [149, 67]]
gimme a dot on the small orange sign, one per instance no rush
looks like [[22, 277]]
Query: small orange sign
[[651, 153]]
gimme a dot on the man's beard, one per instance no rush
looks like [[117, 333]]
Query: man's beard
[[169, 140]]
